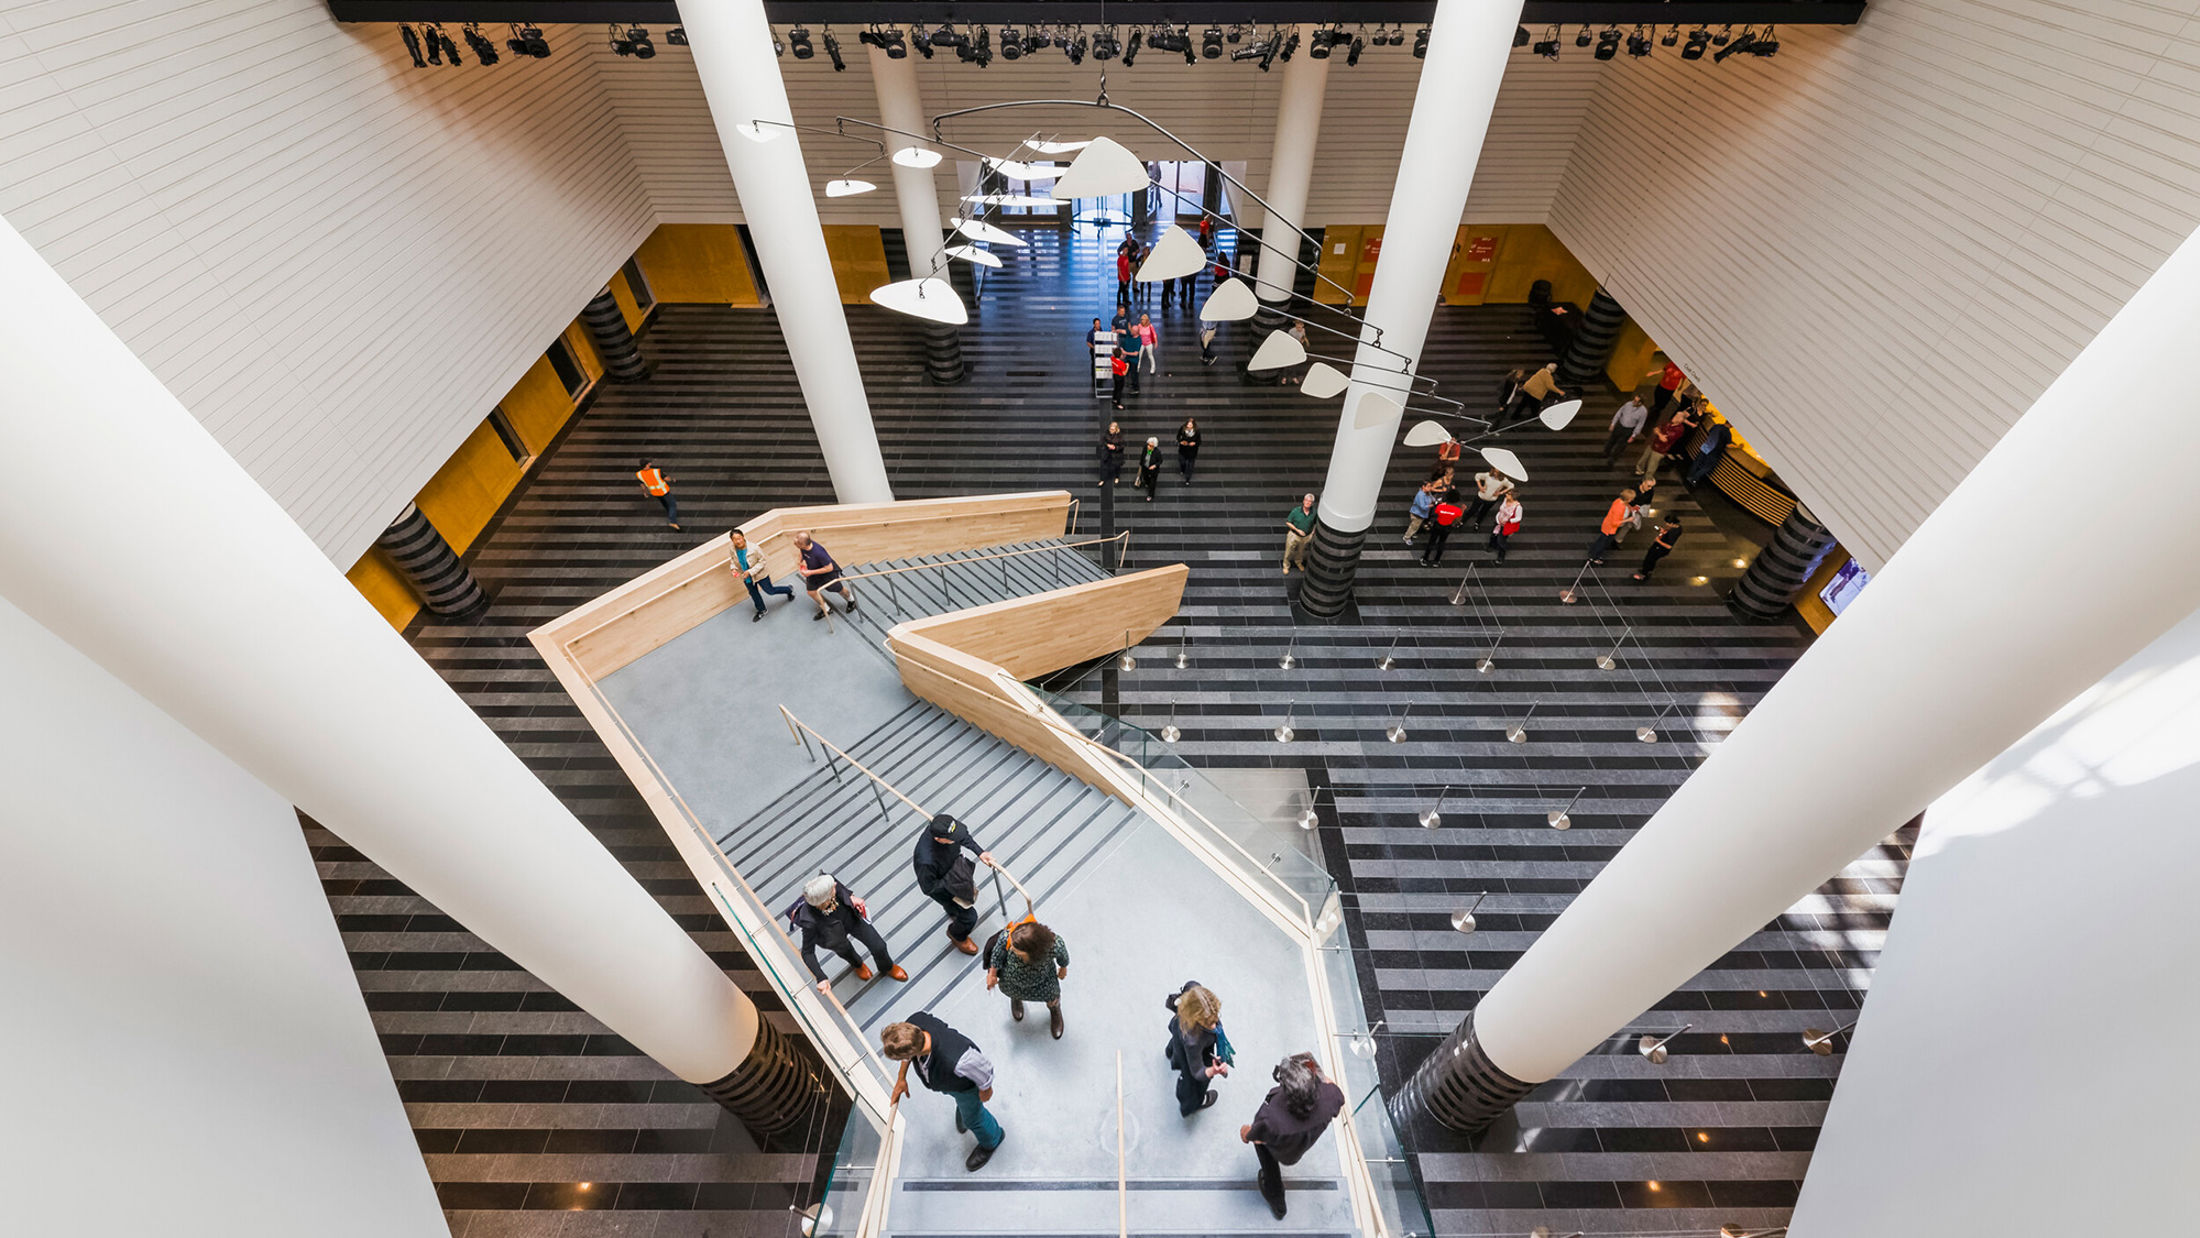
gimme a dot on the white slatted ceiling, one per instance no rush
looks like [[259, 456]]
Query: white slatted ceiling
[[1225, 110], [338, 262], [1876, 249]]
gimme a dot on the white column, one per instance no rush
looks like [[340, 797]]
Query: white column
[[1469, 44], [1967, 640], [1291, 169], [901, 106], [128, 532], [732, 45]]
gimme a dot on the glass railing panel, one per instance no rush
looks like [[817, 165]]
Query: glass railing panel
[[851, 1177], [1397, 1195], [1260, 849]]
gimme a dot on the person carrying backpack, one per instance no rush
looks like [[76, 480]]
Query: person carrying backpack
[[946, 875], [1443, 518]]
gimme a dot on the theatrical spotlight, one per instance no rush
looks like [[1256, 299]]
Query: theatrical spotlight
[[1290, 45], [832, 52], [528, 41], [1698, 40], [485, 50], [1318, 46], [921, 41], [892, 42], [440, 48], [1237, 33], [948, 36], [799, 39], [1073, 48], [1210, 43], [1726, 32], [677, 36], [1548, 47], [1263, 50], [1672, 36], [1521, 37], [1036, 42], [977, 51], [450, 49], [412, 46], [1582, 39], [1742, 42], [1638, 43], [1767, 44], [1352, 57], [1420, 44], [1130, 49], [1608, 43], [1105, 46], [1012, 43]]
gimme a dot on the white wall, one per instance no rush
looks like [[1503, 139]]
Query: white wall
[[187, 1050], [338, 262], [1225, 110], [2024, 1064], [1876, 248]]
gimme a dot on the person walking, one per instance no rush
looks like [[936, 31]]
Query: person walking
[[1704, 459], [1507, 523], [1625, 427], [1490, 489], [946, 875], [1206, 343], [1669, 536], [1508, 393], [1424, 502], [1665, 441], [1670, 380], [1111, 447], [1133, 344], [1149, 467], [946, 1061], [1290, 1122], [829, 915], [1443, 518], [1029, 963], [659, 487], [748, 564], [1614, 517], [1119, 364], [820, 573], [1298, 530], [1187, 448], [1123, 272], [1536, 392], [1197, 1047], [1149, 342]]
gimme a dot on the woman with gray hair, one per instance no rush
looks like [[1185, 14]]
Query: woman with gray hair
[[1290, 1121], [830, 915]]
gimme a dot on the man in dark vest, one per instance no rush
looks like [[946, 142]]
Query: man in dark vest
[[947, 1061], [953, 885]]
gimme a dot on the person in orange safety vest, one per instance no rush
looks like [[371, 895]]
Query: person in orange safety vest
[[659, 486]]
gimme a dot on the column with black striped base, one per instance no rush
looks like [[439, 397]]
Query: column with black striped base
[[429, 564], [1593, 342], [774, 1087], [1458, 1085], [607, 330], [1332, 562], [1781, 569]]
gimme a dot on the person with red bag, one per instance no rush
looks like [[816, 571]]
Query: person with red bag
[[1508, 523]]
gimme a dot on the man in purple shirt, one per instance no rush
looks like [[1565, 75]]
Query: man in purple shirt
[[820, 573]]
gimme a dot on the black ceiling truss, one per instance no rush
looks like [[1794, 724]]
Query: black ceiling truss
[[1117, 12]]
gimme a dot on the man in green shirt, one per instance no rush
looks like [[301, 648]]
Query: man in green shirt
[[1298, 530]]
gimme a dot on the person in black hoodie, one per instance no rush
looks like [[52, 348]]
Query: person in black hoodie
[[830, 915], [948, 878]]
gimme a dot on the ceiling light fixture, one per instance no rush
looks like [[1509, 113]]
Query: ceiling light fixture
[[921, 41], [1672, 36], [528, 41], [929, 298], [1608, 43], [1352, 56], [485, 49], [979, 230], [1638, 44], [1012, 43], [1548, 48], [798, 38], [1105, 46], [1420, 44], [847, 187], [1130, 49], [1698, 40], [832, 51], [917, 157], [892, 42]]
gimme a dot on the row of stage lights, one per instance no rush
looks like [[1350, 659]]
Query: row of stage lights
[[1639, 43], [977, 45], [430, 44]]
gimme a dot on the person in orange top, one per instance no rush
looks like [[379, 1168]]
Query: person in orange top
[[1615, 519], [659, 487]]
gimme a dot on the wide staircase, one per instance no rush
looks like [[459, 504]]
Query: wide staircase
[[1046, 826]]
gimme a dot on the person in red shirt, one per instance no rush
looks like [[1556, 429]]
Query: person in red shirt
[[1615, 518], [1123, 276], [1669, 384]]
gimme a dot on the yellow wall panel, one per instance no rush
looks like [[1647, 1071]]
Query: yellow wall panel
[[859, 260], [468, 489], [697, 263], [1633, 353], [538, 406], [1340, 262], [383, 585], [629, 308], [1531, 252], [1473, 257]]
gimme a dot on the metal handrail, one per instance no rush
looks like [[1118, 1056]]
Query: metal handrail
[[1123, 537], [1030, 904], [1047, 716]]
